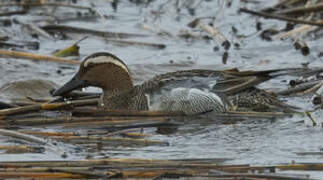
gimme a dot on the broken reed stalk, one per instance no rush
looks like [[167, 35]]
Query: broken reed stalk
[[136, 43], [295, 32], [285, 3], [300, 88], [147, 167], [114, 141], [34, 28], [56, 134], [302, 10], [21, 149], [20, 12], [71, 29], [115, 125], [301, 167], [125, 163], [47, 4], [257, 114], [22, 136], [214, 32], [145, 173], [64, 174], [40, 175], [49, 133], [24, 55], [47, 106], [102, 112], [311, 90], [80, 121], [255, 176], [42, 169], [279, 17], [94, 162]]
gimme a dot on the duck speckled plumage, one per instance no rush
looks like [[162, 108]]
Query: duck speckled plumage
[[176, 91]]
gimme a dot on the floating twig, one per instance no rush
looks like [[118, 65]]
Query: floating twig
[[295, 32], [34, 28], [102, 112], [47, 106], [136, 43], [302, 10], [299, 89], [22, 136], [115, 141], [13, 13], [24, 55], [214, 32], [21, 149], [279, 17], [47, 4], [71, 29]]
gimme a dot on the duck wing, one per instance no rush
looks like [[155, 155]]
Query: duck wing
[[228, 82]]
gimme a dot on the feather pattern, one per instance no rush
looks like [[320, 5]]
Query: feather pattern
[[191, 101]]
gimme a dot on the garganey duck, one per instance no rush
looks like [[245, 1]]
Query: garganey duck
[[190, 91]]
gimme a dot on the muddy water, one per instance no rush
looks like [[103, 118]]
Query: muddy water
[[258, 142]]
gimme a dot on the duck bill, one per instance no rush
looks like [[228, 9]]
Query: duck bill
[[71, 85]]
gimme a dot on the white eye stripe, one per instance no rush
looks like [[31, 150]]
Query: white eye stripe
[[105, 59]]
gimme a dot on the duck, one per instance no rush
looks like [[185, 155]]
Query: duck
[[194, 91]]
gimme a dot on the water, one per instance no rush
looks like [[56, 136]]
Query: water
[[263, 142]]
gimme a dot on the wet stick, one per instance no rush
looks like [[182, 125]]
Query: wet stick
[[19, 12], [21, 149], [116, 125], [255, 176], [71, 29], [39, 175], [48, 133], [296, 32], [283, 18], [215, 33], [103, 112], [113, 141], [298, 89], [136, 43], [18, 168], [302, 167], [34, 28], [302, 10], [47, 106], [79, 121], [311, 90], [89, 162], [46, 4], [24, 55], [22, 136], [124, 163]]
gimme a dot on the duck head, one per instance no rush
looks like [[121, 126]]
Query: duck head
[[103, 70]]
